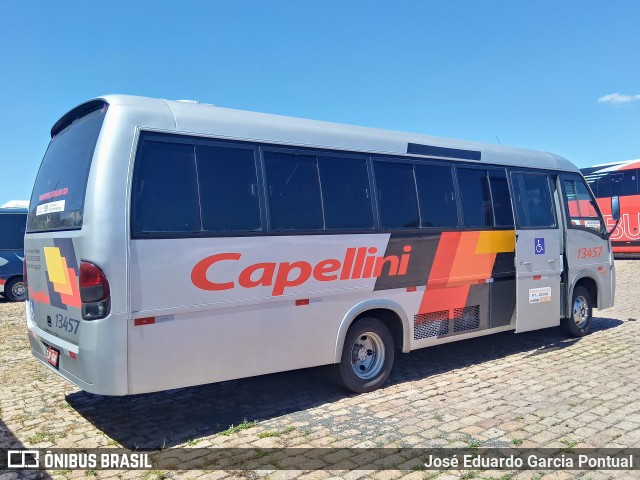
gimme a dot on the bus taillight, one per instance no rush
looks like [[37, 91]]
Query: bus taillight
[[94, 292]]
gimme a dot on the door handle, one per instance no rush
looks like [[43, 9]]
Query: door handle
[[552, 260], [525, 263]]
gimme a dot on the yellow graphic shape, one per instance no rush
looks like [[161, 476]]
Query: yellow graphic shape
[[496, 242], [58, 270]]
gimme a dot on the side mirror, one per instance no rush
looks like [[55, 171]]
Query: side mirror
[[615, 214], [615, 207]]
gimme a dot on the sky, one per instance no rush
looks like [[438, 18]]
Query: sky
[[559, 76]]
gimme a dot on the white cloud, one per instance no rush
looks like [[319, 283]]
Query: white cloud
[[618, 98]]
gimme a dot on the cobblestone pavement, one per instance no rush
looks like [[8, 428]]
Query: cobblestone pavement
[[536, 389]]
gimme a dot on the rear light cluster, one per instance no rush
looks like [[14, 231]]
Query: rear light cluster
[[94, 292]]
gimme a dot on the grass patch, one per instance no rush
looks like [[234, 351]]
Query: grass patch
[[275, 433], [43, 436], [238, 428], [517, 441], [156, 475]]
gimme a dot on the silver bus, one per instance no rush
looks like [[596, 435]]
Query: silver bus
[[172, 244]]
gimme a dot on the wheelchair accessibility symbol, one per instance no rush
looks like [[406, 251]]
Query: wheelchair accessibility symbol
[[539, 243]]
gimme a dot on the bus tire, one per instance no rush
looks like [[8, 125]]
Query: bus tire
[[367, 356], [579, 323], [14, 290]]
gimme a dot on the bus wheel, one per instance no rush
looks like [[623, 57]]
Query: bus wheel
[[367, 356], [579, 323], [14, 290]]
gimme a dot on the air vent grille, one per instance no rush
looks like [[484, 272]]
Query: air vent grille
[[437, 324]]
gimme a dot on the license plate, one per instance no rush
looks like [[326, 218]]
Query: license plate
[[52, 356]]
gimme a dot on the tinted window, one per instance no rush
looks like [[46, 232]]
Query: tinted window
[[533, 200], [228, 188], [581, 205], [476, 198], [293, 192], [12, 227], [436, 196], [603, 186], [397, 198], [501, 199], [165, 197], [624, 183], [345, 193], [618, 183], [57, 201]]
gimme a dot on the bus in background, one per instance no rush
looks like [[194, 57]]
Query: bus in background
[[12, 227], [172, 244], [619, 179]]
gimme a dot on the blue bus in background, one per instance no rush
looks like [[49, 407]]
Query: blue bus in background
[[12, 227]]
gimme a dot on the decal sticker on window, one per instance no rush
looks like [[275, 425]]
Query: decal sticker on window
[[592, 224], [540, 295], [56, 193], [50, 207]]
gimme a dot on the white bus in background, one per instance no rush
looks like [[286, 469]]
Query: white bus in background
[[173, 244]]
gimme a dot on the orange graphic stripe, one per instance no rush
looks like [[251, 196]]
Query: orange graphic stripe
[[461, 260], [73, 298], [40, 297]]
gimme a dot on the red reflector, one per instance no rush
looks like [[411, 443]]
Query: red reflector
[[412, 289], [73, 355], [482, 280], [304, 301], [537, 277], [144, 321]]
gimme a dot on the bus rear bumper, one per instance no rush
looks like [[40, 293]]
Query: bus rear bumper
[[93, 370]]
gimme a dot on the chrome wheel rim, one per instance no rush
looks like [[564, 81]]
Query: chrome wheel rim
[[580, 311], [367, 355], [17, 290]]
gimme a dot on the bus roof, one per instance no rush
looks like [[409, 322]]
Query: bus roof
[[615, 166], [4, 210], [205, 119]]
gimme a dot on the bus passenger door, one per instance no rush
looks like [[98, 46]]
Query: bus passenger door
[[538, 252]]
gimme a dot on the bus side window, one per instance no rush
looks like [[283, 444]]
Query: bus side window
[[165, 197], [501, 198], [532, 200], [477, 210], [345, 193], [228, 188], [397, 198], [436, 196], [293, 192], [12, 227]]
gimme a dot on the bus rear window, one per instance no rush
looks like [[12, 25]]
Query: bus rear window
[[57, 202]]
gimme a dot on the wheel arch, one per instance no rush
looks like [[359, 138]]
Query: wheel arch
[[590, 282], [387, 311]]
